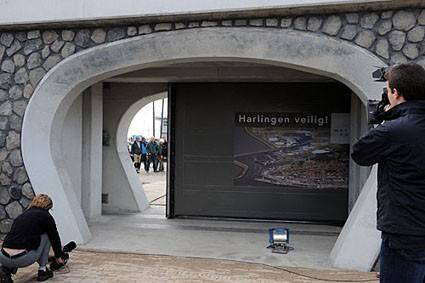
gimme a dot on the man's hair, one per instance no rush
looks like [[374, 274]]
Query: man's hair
[[408, 79], [41, 201]]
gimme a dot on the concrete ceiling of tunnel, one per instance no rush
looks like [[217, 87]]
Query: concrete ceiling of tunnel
[[218, 71]]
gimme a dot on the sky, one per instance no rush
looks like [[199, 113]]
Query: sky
[[142, 122]]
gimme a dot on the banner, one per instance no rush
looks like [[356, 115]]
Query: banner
[[298, 150]]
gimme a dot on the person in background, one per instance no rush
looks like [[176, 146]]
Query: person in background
[[163, 154], [153, 153], [136, 150], [29, 241], [130, 142], [144, 154]]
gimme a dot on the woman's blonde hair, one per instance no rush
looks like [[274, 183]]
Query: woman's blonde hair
[[41, 201]]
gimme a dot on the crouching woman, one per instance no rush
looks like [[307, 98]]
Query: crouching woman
[[29, 241]]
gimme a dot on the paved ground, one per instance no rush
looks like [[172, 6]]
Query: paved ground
[[92, 267], [150, 233], [154, 186]]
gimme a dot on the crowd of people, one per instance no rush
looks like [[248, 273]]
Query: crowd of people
[[149, 152]]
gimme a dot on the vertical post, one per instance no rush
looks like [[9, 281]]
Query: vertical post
[[162, 118], [169, 209], [358, 174], [360, 227], [92, 152], [153, 118]]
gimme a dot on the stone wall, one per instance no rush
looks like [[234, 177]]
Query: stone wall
[[27, 55]]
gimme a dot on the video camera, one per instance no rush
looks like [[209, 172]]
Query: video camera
[[67, 249], [376, 108]]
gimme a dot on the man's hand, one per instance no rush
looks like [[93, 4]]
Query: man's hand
[[387, 107]]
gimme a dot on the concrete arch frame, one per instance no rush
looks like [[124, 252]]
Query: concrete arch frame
[[121, 147], [308, 52]]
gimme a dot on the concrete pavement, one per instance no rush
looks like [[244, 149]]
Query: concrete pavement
[[91, 267], [154, 186], [147, 247], [150, 232]]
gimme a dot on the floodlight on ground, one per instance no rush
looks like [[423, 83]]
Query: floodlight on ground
[[279, 240]]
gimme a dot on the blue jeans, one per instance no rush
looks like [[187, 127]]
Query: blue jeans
[[41, 255], [401, 266]]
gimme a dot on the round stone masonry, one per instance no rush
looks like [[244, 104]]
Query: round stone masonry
[[27, 56], [404, 20], [397, 39], [15, 193], [369, 20], [98, 36], [332, 25], [314, 23], [4, 195], [300, 23], [416, 34], [349, 32], [14, 209], [5, 226]]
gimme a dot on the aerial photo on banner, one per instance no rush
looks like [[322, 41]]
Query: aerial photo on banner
[[295, 150]]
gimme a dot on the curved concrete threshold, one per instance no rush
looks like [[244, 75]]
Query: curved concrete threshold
[[121, 147], [146, 233]]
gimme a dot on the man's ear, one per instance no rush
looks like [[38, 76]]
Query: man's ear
[[395, 93], [397, 96]]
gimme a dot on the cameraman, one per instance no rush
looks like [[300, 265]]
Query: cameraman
[[29, 241], [398, 146]]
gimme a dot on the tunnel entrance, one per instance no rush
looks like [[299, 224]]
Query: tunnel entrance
[[44, 120], [275, 151]]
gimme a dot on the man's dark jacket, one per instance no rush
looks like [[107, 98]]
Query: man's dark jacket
[[398, 146], [135, 149], [153, 148]]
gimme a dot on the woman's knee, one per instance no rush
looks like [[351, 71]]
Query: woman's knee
[[44, 237], [44, 241]]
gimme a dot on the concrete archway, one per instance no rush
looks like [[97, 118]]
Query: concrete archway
[[55, 93], [121, 147]]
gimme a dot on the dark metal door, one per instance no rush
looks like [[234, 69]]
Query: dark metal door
[[263, 151]]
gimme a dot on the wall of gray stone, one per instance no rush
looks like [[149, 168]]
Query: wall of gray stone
[[27, 55]]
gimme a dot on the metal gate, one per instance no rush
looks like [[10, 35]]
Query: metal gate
[[260, 150]]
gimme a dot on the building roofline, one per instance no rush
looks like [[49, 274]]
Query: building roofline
[[283, 10]]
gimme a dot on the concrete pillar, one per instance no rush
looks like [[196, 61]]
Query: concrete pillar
[[92, 152], [120, 195], [357, 246], [71, 140], [120, 181], [358, 126]]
